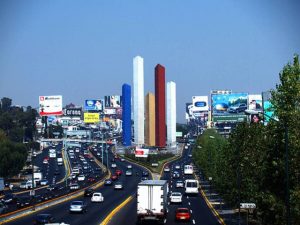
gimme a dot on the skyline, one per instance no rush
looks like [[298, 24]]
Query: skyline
[[85, 50]]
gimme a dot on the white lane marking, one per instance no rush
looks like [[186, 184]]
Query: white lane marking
[[194, 222], [191, 211], [187, 197]]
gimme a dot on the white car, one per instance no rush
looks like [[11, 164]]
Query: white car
[[118, 185], [81, 177], [179, 184], [177, 167], [113, 165], [128, 173], [167, 169], [77, 150], [122, 159], [176, 197], [129, 166], [97, 197]]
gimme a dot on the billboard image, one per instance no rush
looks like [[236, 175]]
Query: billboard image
[[188, 111], [141, 152], [113, 101], [109, 111], [229, 107], [255, 103], [93, 105], [267, 106], [200, 103], [91, 117], [73, 112], [50, 105]]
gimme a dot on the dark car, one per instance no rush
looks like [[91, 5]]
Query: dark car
[[9, 198], [88, 192], [44, 218], [23, 201], [145, 174], [114, 177], [3, 208], [91, 179], [108, 182], [52, 187]]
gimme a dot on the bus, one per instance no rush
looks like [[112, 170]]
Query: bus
[[188, 169], [191, 186]]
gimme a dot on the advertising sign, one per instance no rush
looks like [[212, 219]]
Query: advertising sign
[[113, 101], [267, 106], [255, 103], [91, 117], [93, 105], [178, 134], [200, 103], [109, 111], [141, 152], [188, 111], [229, 107], [50, 105], [73, 112]]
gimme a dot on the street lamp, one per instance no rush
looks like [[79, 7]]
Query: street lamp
[[286, 146]]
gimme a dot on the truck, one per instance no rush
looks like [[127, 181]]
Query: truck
[[37, 176], [60, 161], [152, 201]]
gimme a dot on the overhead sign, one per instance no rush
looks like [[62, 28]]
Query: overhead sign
[[91, 117], [247, 205], [113, 101], [200, 103], [141, 152], [93, 105], [73, 112], [50, 105]]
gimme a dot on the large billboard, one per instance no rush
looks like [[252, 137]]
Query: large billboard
[[229, 107], [110, 111], [255, 103], [91, 117], [141, 152], [50, 105], [188, 111], [267, 106], [200, 103], [93, 105], [73, 112], [113, 101]]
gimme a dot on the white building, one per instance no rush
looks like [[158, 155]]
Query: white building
[[138, 100], [171, 113]]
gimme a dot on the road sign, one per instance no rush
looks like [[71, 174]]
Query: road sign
[[247, 205]]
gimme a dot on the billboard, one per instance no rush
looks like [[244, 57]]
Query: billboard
[[73, 112], [267, 106], [200, 103], [50, 105], [255, 103], [91, 117], [188, 111], [109, 111], [179, 134], [141, 152], [113, 101], [229, 107], [93, 105]]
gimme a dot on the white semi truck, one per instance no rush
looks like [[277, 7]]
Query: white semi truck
[[152, 196]]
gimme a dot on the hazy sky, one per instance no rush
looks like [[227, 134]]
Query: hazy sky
[[84, 49]]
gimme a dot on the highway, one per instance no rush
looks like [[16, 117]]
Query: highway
[[200, 212], [96, 212]]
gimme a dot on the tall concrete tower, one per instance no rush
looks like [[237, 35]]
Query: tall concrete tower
[[160, 106], [171, 113], [138, 99], [150, 119]]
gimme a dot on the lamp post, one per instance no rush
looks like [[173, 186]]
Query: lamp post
[[286, 147]]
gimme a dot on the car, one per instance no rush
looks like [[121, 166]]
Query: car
[[179, 184], [52, 187], [190, 155], [98, 154], [56, 172], [176, 174], [182, 214], [97, 197], [177, 167], [81, 177], [108, 182], [78, 206], [113, 165], [3, 208], [74, 186], [91, 179], [129, 166], [176, 197], [122, 159], [144, 178], [238, 108], [128, 173], [45, 161], [23, 201], [118, 172], [88, 192], [114, 177], [118, 186], [44, 182], [167, 169], [44, 219], [9, 198], [145, 174]]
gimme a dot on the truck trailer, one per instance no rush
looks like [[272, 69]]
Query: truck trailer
[[152, 201]]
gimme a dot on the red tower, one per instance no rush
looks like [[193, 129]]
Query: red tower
[[160, 106]]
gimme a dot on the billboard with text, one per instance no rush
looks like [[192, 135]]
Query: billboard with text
[[73, 112], [93, 105], [50, 105], [91, 117], [113, 101], [141, 152], [200, 103]]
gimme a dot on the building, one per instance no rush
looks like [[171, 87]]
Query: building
[[171, 113], [160, 106], [138, 100], [150, 119], [126, 114]]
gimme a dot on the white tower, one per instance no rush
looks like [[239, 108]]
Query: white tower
[[171, 113], [138, 100]]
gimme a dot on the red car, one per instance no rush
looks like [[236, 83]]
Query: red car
[[91, 179], [183, 214], [114, 177], [118, 172]]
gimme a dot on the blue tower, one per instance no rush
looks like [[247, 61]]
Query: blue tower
[[126, 114]]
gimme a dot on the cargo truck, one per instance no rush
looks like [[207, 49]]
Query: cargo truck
[[152, 196]]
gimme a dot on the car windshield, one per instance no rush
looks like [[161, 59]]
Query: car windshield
[[176, 194], [43, 216], [182, 211], [77, 203], [191, 184]]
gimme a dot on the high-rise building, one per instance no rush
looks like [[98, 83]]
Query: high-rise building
[[150, 119], [160, 106], [171, 113], [138, 100], [126, 114]]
